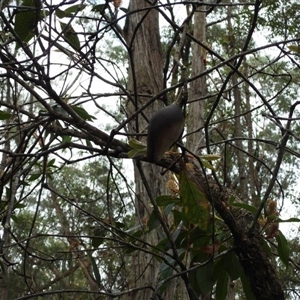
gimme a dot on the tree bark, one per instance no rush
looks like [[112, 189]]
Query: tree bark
[[145, 81], [73, 242], [243, 191], [198, 87], [256, 264]]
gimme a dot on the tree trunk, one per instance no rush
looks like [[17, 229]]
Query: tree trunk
[[145, 81], [198, 87], [253, 176], [233, 42], [254, 259]]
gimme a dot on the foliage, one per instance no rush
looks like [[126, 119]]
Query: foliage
[[86, 231]]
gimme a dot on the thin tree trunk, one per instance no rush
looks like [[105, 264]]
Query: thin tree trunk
[[243, 192], [252, 178], [145, 80], [74, 243], [198, 88]]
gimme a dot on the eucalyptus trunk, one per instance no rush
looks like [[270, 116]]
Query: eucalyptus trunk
[[198, 87], [238, 104], [145, 80]]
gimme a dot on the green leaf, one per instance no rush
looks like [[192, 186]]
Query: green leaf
[[135, 144], [20, 205], [98, 239], [218, 268], [134, 229], [248, 207], [288, 220], [66, 138], [128, 249], [99, 8], [153, 221], [60, 13], [95, 269], [199, 238], [25, 20], [15, 218], [266, 247], [126, 10], [137, 234], [222, 286], [166, 270], [294, 48], [51, 162], [207, 158], [138, 149], [34, 177], [82, 113], [232, 265], [4, 115], [89, 144], [246, 287], [136, 153], [119, 225], [180, 216], [168, 209], [207, 165], [210, 157], [205, 277], [283, 248], [69, 12], [231, 200], [195, 204], [165, 273], [75, 8], [165, 200], [70, 35]]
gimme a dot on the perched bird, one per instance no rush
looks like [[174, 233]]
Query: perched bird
[[165, 128]]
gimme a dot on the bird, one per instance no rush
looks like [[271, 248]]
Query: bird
[[164, 129]]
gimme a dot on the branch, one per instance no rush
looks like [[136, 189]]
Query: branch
[[253, 258]]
